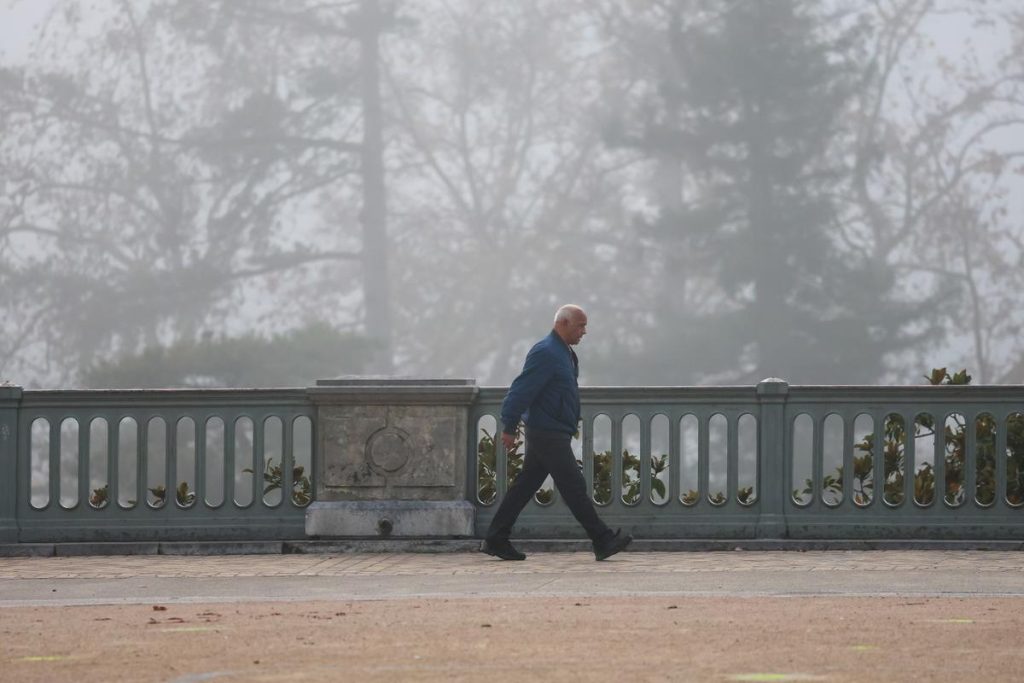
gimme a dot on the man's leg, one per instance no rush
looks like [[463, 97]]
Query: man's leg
[[560, 461], [518, 495]]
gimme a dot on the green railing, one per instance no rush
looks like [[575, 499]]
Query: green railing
[[155, 465], [775, 461], [923, 462], [770, 461]]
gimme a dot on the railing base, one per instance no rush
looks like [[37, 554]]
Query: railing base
[[135, 532], [468, 545], [388, 518], [8, 532]]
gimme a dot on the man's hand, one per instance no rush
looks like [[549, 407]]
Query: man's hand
[[508, 440]]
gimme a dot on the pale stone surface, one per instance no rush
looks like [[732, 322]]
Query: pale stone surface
[[392, 457], [380, 452], [390, 518]]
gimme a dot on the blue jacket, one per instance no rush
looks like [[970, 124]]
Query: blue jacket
[[545, 394]]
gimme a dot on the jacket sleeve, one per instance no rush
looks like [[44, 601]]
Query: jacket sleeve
[[537, 370]]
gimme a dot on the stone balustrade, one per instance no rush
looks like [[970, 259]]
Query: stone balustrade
[[417, 458]]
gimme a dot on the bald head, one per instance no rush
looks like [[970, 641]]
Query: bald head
[[568, 312], [570, 323]]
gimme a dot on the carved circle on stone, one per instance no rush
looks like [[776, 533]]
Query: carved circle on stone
[[388, 449]]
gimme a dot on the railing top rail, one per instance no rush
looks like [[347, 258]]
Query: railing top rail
[[595, 395], [647, 395], [794, 394], [905, 394], [156, 398]]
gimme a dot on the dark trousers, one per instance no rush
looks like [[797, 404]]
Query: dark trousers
[[548, 453]]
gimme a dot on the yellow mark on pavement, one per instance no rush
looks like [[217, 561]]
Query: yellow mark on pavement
[[188, 629], [952, 621], [863, 648], [43, 658], [758, 677]]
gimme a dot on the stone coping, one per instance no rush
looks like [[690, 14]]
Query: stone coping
[[387, 381], [396, 394]]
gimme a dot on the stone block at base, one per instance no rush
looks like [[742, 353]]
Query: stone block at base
[[389, 518]]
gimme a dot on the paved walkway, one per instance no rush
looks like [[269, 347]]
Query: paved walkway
[[833, 616], [137, 579]]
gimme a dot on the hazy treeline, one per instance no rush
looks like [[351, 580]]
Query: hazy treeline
[[270, 191]]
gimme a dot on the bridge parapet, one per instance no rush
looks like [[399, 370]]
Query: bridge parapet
[[378, 457]]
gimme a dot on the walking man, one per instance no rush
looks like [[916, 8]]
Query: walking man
[[546, 396]]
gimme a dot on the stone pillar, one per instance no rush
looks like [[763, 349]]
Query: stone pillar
[[390, 458], [10, 399], [773, 472]]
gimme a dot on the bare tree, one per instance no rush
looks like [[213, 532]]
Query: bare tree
[[933, 165], [193, 159], [511, 203]]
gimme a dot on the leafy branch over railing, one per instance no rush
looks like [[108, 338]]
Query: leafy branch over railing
[[487, 467], [603, 464], [185, 497], [273, 477], [954, 433]]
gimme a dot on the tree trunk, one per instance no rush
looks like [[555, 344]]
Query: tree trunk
[[376, 282]]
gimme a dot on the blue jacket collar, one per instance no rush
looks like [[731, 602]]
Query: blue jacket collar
[[554, 335]]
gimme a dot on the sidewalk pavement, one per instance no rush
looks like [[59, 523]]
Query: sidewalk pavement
[[53, 581], [833, 616]]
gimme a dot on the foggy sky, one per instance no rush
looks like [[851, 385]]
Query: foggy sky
[[612, 329]]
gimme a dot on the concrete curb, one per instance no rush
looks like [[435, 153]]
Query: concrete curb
[[449, 545]]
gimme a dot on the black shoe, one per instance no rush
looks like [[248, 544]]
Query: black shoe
[[502, 549], [615, 544]]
